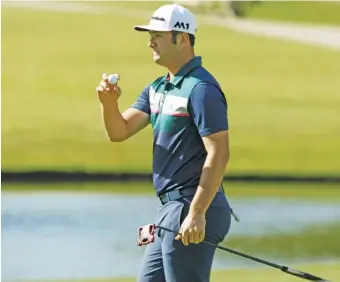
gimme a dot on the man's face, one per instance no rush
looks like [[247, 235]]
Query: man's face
[[163, 48]]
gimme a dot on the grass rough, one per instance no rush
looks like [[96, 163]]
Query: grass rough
[[283, 97]]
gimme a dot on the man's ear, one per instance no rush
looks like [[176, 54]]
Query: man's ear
[[183, 39]]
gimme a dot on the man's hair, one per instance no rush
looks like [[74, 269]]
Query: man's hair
[[174, 37]]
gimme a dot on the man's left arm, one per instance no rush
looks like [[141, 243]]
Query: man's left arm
[[208, 108], [217, 147]]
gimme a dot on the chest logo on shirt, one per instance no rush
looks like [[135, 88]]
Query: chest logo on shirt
[[167, 104]]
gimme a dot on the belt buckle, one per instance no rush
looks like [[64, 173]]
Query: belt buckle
[[169, 196], [164, 198]]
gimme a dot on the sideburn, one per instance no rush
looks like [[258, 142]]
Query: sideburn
[[174, 37]]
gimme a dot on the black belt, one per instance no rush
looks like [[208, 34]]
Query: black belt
[[178, 194]]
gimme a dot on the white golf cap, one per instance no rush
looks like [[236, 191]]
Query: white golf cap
[[171, 17]]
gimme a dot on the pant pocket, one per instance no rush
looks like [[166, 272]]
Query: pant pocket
[[172, 220], [170, 216]]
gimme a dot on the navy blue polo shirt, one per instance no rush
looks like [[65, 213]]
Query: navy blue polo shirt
[[182, 110]]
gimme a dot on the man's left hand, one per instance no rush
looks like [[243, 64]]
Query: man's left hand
[[192, 229]]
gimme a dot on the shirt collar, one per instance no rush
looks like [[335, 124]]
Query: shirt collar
[[193, 63]]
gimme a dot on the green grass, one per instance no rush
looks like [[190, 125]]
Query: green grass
[[308, 192], [283, 97], [308, 12], [319, 241], [328, 271]]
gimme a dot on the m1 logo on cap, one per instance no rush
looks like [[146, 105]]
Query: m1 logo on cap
[[182, 25]]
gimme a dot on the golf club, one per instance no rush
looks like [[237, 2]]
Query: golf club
[[146, 236]]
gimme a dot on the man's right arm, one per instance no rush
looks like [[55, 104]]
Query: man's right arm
[[120, 126]]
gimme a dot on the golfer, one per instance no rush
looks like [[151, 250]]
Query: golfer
[[188, 113]]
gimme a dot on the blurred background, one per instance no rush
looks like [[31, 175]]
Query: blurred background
[[72, 202]]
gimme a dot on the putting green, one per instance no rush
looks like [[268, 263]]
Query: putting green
[[283, 97], [329, 271]]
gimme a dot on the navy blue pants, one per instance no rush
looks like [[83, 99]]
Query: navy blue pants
[[168, 260]]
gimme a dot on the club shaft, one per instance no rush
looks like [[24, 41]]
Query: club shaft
[[244, 255], [281, 267], [230, 251]]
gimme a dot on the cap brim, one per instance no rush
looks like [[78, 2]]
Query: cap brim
[[150, 28]]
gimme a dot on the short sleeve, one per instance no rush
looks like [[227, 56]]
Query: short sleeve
[[142, 103], [208, 108]]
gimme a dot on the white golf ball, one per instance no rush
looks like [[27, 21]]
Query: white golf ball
[[113, 78]]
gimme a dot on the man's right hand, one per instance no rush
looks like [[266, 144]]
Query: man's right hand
[[119, 126], [108, 93]]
